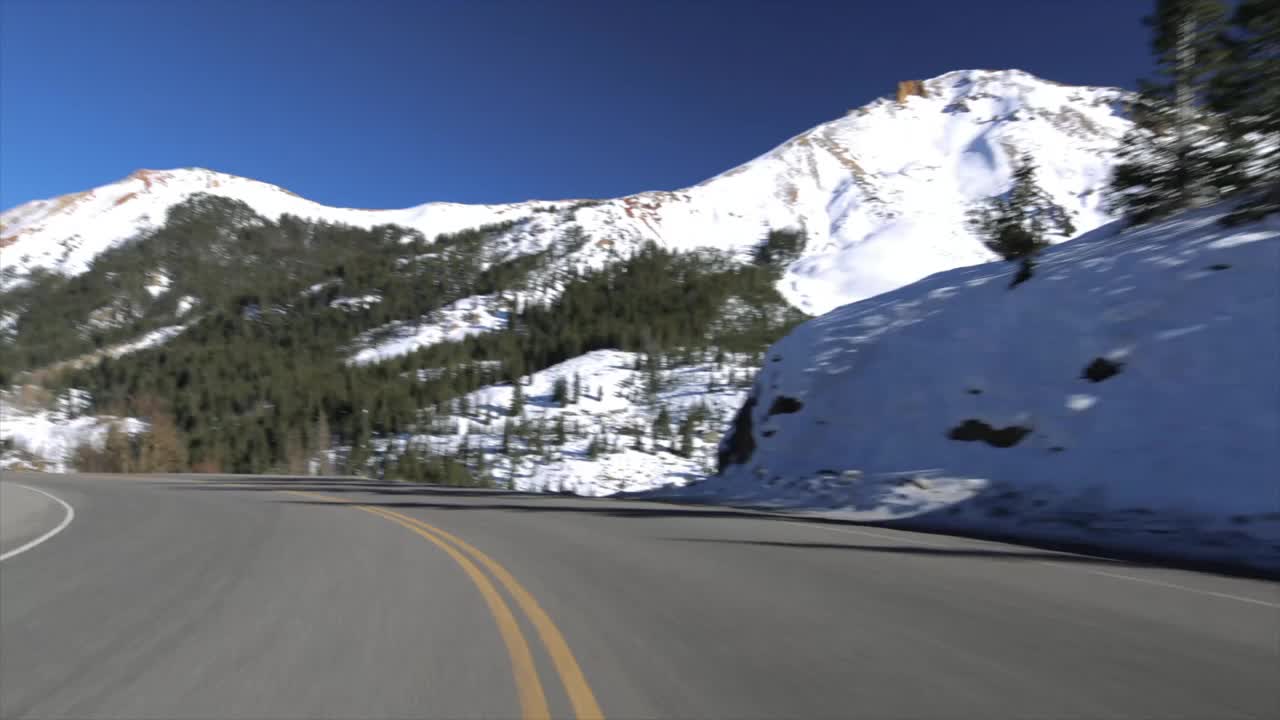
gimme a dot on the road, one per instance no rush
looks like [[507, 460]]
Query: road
[[170, 597]]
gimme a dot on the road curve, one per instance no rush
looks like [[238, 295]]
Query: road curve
[[266, 598], [28, 517]]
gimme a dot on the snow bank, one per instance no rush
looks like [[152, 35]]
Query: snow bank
[[46, 439], [1129, 394]]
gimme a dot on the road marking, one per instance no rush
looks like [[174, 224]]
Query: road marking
[[1197, 591], [584, 702], [1051, 563], [533, 701], [66, 520], [575, 683]]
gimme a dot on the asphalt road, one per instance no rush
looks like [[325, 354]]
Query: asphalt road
[[234, 598]]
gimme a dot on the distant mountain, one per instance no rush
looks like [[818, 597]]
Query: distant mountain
[[881, 193], [277, 330]]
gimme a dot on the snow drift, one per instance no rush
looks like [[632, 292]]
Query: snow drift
[[1128, 394]]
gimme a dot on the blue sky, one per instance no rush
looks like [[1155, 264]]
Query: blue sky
[[382, 103]]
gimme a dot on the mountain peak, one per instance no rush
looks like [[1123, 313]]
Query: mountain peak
[[881, 193]]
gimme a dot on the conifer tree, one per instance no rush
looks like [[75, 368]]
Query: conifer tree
[[1247, 93], [661, 426], [506, 438], [1015, 225], [560, 391], [1175, 156], [686, 436], [321, 444], [517, 398]]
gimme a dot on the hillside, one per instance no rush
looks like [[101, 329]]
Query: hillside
[[1127, 394], [274, 329]]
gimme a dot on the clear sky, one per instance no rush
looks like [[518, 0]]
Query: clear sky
[[385, 103]]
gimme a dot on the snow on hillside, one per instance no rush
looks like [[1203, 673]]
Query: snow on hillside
[[159, 336], [881, 192], [615, 401], [455, 321], [44, 436], [65, 234], [1127, 395]]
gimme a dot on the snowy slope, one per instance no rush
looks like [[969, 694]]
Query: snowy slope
[[613, 402], [45, 438], [65, 234], [854, 412], [880, 192]]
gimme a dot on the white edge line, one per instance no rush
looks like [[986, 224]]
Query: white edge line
[[1197, 591], [1117, 576], [70, 515]]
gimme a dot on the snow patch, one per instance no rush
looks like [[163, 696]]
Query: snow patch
[[46, 438], [355, 303]]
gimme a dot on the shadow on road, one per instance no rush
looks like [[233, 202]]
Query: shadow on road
[[410, 496]]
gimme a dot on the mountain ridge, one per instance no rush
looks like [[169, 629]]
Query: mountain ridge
[[849, 183]]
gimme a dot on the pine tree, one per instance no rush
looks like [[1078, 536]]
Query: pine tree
[[661, 426], [653, 376], [1175, 156], [577, 387], [686, 437], [517, 398], [561, 436], [560, 391], [506, 438], [1247, 93], [1015, 225], [321, 445], [358, 457]]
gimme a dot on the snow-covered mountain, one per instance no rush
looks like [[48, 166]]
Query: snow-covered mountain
[[1126, 395], [881, 192]]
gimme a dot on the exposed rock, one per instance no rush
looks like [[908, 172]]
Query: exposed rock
[[971, 430], [783, 405], [907, 88], [1101, 369]]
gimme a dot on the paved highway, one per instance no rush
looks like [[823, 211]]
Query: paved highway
[[170, 597]]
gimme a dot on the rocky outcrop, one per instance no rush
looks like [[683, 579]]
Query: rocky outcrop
[[907, 88]]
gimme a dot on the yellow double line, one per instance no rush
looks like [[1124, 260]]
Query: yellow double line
[[533, 701]]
